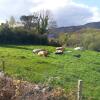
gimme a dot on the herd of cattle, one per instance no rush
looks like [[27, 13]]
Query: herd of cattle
[[59, 50]]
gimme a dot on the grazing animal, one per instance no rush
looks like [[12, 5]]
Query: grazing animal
[[43, 53], [77, 55], [59, 52], [78, 48], [35, 51], [60, 48]]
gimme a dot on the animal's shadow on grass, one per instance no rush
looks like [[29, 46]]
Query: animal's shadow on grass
[[42, 62]]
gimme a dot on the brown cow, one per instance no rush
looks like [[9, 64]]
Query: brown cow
[[43, 53]]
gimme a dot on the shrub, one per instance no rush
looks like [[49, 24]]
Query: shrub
[[21, 36]]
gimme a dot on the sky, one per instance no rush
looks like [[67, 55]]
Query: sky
[[65, 12]]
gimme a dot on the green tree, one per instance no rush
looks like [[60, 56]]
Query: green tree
[[43, 21], [29, 21], [38, 21], [62, 38]]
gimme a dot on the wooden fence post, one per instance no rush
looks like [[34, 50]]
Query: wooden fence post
[[79, 92], [3, 66]]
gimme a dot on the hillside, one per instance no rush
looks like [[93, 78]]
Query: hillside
[[95, 25], [56, 70]]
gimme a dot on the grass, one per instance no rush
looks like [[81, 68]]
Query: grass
[[57, 70]]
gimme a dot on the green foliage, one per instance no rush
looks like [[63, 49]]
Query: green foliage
[[42, 25], [54, 42], [38, 21], [29, 21], [95, 45], [62, 38], [21, 36], [91, 40], [42, 22], [88, 38], [73, 40]]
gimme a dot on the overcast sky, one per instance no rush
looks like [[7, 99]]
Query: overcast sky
[[65, 12]]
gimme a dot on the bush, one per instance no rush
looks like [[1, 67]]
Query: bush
[[54, 42], [21, 36], [94, 46], [88, 38]]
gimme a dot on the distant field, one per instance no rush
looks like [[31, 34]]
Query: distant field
[[65, 69]]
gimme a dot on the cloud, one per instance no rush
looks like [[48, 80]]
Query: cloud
[[49, 4], [96, 15], [74, 14], [66, 12], [14, 8]]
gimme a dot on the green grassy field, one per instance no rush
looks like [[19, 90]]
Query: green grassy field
[[57, 70]]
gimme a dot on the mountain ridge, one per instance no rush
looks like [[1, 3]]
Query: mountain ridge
[[69, 29]]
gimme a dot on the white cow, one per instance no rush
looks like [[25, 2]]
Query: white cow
[[78, 48], [60, 48], [35, 51], [59, 52]]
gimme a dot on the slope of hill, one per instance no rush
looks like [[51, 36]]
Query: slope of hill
[[95, 25], [56, 70]]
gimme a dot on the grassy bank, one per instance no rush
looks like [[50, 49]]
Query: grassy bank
[[57, 70]]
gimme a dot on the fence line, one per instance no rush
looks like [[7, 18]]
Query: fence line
[[79, 86]]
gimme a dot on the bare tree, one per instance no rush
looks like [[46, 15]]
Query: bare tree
[[12, 21], [39, 20], [43, 21]]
